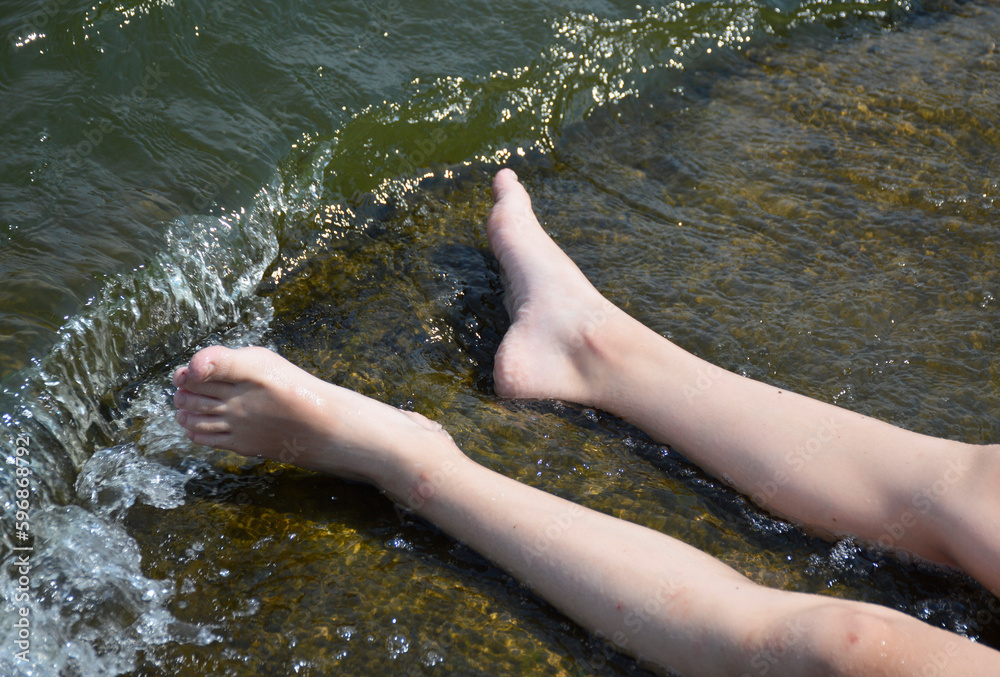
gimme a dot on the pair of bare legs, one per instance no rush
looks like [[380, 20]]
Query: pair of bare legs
[[648, 594]]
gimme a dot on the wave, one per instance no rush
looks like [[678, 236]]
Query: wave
[[92, 607]]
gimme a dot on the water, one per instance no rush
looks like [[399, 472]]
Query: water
[[803, 193]]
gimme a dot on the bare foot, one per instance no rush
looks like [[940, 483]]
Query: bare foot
[[556, 313], [256, 403]]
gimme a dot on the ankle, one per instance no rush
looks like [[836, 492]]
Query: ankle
[[602, 350], [419, 470]]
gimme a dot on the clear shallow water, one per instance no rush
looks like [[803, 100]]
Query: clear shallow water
[[809, 203]]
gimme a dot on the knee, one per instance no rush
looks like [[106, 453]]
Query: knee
[[850, 638]]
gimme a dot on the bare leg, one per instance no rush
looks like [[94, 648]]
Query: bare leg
[[651, 595], [814, 463]]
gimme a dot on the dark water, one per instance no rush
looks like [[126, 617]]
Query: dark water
[[802, 193]]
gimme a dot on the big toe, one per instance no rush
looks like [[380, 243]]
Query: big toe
[[225, 365], [504, 182], [509, 194], [210, 364], [511, 221]]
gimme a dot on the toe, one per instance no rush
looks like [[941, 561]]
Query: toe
[[219, 441], [503, 181], [215, 389], [203, 424], [511, 222], [197, 403], [180, 376], [205, 365], [508, 192], [506, 186], [218, 364]]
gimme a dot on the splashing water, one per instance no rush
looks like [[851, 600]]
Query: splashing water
[[91, 607]]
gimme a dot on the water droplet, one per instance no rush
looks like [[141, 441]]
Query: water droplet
[[397, 645]]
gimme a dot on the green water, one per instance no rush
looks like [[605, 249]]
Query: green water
[[809, 203]]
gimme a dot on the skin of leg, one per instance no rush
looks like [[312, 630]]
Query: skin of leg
[[648, 594], [834, 471]]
